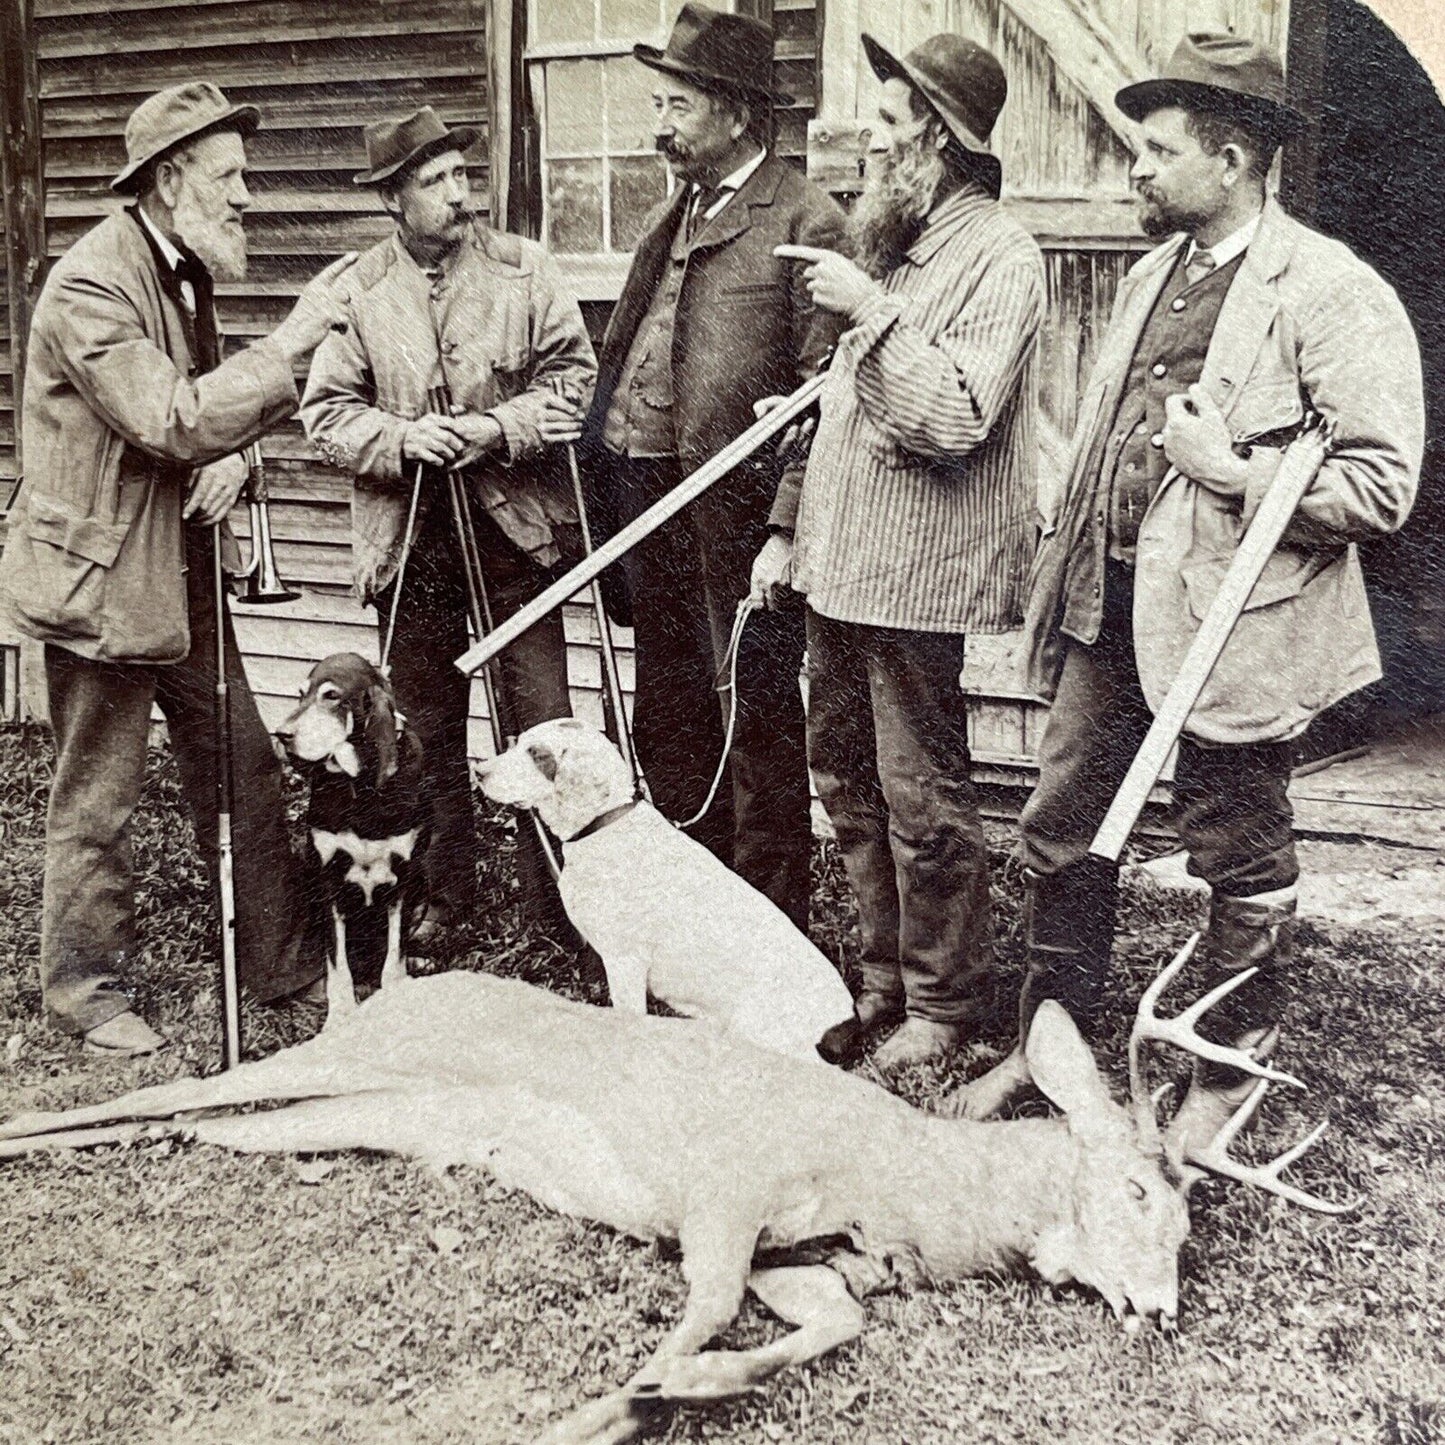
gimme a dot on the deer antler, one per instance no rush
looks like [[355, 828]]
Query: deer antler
[[1216, 1158], [1180, 1030]]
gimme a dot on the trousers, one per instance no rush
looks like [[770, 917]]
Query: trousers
[[100, 713], [432, 631], [685, 582], [888, 743]]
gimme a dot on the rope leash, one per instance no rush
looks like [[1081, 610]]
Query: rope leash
[[406, 542], [746, 608]]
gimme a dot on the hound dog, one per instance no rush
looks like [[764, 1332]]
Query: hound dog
[[668, 918], [368, 816]]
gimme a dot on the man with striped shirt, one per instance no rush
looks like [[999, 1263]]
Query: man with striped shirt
[[914, 527]]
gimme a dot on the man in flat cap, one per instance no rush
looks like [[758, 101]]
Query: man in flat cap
[[709, 322], [1242, 328], [914, 529], [128, 406], [447, 301]]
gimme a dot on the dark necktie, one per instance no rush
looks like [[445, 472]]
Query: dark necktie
[[1199, 265], [707, 197], [208, 346]]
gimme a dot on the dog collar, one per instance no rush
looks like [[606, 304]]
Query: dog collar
[[602, 820]]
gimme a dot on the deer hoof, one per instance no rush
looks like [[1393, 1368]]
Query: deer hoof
[[987, 1096], [700, 1379]]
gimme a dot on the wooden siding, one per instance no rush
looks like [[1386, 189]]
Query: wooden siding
[[318, 73]]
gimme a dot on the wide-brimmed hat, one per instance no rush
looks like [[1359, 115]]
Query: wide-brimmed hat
[[392, 145], [718, 51], [1221, 75], [963, 83], [166, 119]]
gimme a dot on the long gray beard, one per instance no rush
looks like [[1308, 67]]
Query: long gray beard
[[890, 214], [221, 247]]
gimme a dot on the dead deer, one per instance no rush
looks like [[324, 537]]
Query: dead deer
[[671, 1128]]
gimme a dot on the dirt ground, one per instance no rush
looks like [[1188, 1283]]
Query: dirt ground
[[174, 1293]]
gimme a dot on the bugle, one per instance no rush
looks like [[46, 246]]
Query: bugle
[[691, 487], [262, 582]]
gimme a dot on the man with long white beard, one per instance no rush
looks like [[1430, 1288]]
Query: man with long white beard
[[128, 414], [914, 528]]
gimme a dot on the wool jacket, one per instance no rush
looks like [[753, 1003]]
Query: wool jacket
[[745, 325], [115, 421], [1307, 330], [499, 329]]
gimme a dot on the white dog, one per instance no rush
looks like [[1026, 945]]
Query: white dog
[[667, 918]]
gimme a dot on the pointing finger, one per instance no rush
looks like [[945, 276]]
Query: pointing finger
[[800, 253]]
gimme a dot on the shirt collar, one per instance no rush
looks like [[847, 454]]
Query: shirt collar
[[734, 182], [1234, 244], [947, 219], [164, 242]]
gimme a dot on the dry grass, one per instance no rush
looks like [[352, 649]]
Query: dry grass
[[186, 1295]]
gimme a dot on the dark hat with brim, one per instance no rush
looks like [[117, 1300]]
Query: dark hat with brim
[[393, 146], [963, 84], [172, 117], [1221, 75], [717, 51]]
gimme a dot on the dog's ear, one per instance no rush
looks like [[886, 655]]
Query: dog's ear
[[545, 759], [380, 732]]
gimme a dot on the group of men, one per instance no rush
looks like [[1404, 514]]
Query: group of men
[[904, 524]]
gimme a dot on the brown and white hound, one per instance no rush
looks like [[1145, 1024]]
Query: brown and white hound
[[368, 816]]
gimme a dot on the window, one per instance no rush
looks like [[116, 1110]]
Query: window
[[599, 172]]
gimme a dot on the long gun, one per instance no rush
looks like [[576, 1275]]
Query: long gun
[[692, 486], [1297, 472]]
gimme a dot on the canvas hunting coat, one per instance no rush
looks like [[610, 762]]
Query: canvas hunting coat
[[1307, 330], [499, 330], [115, 421]]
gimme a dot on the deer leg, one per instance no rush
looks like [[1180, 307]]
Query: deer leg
[[340, 991], [393, 970], [717, 1252], [812, 1297]]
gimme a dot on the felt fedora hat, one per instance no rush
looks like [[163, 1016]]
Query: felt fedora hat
[[715, 50], [1221, 75], [963, 83], [391, 145], [166, 119]]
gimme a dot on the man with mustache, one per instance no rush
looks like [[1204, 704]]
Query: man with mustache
[[446, 300], [710, 321], [1242, 328], [128, 406], [914, 529]]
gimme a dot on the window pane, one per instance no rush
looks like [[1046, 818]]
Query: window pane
[[638, 184], [631, 19], [629, 105], [574, 107], [574, 206], [562, 20]]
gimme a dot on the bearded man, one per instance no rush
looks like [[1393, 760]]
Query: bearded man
[[914, 528], [447, 301], [709, 322], [1241, 329], [127, 409]]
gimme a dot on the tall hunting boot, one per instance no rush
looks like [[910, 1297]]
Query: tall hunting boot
[[1069, 927], [1257, 932]]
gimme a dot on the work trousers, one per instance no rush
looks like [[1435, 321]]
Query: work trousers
[[100, 713], [1231, 805], [531, 684], [685, 582], [888, 744]]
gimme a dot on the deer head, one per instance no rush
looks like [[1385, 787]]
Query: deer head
[[1124, 1217], [1125, 1212]]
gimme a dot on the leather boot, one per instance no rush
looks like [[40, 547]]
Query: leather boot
[[1069, 927], [1257, 932]]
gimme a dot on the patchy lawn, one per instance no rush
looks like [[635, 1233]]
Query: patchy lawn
[[182, 1294]]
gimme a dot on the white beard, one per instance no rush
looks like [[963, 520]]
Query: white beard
[[221, 245]]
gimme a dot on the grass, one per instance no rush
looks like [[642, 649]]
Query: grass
[[180, 1294]]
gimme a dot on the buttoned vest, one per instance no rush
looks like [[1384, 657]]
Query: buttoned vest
[[1168, 360], [639, 421]]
